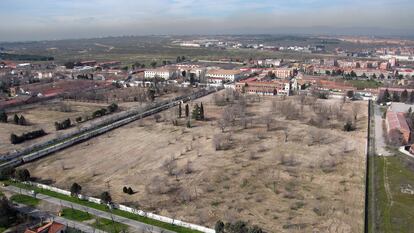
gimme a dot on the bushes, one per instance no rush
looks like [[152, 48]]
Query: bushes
[[349, 126], [236, 227], [7, 173], [19, 120], [22, 175], [99, 113], [15, 139], [113, 107], [63, 125], [3, 117], [128, 190]]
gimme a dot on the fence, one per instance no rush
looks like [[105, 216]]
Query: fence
[[128, 209]]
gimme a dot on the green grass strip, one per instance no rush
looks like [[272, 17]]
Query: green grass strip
[[24, 199], [102, 207], [76, 215]]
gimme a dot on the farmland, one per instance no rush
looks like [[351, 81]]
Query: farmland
[[285, 171]]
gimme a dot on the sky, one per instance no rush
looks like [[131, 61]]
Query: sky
[[26, 20]]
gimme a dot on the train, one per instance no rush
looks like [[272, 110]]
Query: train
[[121, 120]]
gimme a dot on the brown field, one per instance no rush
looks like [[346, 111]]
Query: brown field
[[43, 116], [288, 177]]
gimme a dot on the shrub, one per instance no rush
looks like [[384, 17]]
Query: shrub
[[349, 126], [75, 189], [3, 117], [15, 139], [22, 175], [113, 107], [130, 191], [78, 119], [7, 173], [125, 189], [106, 197], [63, 125]]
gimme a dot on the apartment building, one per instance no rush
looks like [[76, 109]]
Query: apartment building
[[221, 75], [161, 73]]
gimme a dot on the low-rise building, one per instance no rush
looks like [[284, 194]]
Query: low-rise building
[[221, 75], [50, 227], [398, 130], [283, 72], [161, 73], [267, 87]]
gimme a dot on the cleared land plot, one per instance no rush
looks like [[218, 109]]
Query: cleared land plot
[[303, 173], [44, 116]]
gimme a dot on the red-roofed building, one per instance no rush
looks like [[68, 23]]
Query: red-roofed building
[[397, 128], [50, 227]]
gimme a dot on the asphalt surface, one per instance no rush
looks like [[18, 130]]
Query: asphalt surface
[[47, 216], [380, 144], [139, 226]]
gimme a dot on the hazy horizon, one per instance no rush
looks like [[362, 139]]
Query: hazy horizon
[[72, 19]]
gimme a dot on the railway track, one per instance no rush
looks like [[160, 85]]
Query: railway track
[[36, 153]]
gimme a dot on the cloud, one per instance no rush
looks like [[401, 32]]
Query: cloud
[[51, 19]]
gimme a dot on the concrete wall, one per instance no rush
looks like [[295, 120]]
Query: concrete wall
[[128, 209]]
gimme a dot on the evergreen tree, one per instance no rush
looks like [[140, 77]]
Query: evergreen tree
[[179, 110], [3, 117], [106, 197], [404, 96], [75, 189], [130, 191], [16, 119], [23, 175], [187, 110], [196, 112], [22, 120], [395, 97], [411, 100], [219, 227], [386, 97], [8, 215], [202, 112]]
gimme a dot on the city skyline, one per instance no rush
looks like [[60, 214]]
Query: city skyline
[[82, 19]]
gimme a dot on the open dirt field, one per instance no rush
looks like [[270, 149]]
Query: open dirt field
[[285, 175], [43, 116]]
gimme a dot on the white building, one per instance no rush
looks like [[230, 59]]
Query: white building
[[162, 73], [224, 75]]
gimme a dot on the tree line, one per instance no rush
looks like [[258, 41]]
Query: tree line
[[16, 119], [15, 139], [236, 227], [395, 96]]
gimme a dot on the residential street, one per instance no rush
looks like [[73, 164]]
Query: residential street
[[44, 215], [139, 226]]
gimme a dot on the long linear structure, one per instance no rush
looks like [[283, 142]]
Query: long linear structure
[[31, 154]]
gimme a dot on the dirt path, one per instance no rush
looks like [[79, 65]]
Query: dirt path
[[390, 200]]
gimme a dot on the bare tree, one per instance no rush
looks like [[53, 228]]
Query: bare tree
[[170, 165], [268, 119], [356, 108], [222, 141]]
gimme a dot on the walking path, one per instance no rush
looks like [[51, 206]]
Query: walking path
[[44, 215], [142, 227]]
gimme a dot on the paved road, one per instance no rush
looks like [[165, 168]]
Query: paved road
[[139, 226], [380, 144], [44, 215]]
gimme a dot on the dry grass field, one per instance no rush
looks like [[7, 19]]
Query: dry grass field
[[43, 116], [283, 164]]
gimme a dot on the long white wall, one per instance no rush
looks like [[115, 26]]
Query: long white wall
[[128, 209]]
